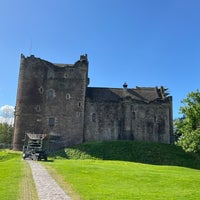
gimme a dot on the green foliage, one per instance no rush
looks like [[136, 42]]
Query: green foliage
[[6, 133], [107, 180], [188, 127], [142, 152]]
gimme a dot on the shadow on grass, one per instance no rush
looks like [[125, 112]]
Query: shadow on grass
[[141, 152], [49, 160]]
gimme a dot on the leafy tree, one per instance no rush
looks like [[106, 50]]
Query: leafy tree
[[6, 133], [188, 128]]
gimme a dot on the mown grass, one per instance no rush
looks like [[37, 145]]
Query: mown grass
[[14, 178], [10, 175], [106, 180], [128, 170]]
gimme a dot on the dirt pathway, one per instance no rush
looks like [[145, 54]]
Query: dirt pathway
[[46, 186]]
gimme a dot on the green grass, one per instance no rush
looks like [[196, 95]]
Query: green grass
[[10, 175], [141, 152], [16, 181], [128, 170], [106, 180]]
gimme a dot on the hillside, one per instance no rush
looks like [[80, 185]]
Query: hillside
[[141, 152]]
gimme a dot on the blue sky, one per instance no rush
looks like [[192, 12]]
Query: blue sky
[[143, 42]]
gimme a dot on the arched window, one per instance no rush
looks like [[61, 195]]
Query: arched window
[[67, 96]]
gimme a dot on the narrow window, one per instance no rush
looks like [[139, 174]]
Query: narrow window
[[41, 90], [133, 115], [37, 108], [65, 75], [51, 121], [67, 96], [94, 117], [78, 114], [50, 74], [51, 93]]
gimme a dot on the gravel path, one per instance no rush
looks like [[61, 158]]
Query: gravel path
[[46, 186]]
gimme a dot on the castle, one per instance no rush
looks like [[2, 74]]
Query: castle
[[55, 99]]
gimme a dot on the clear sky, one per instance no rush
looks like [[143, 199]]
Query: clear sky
[[143, 42]]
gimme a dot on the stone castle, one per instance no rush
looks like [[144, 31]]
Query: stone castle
[[55, 99]]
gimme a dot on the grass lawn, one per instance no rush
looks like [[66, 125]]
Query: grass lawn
[[16, 181], [97, 179]]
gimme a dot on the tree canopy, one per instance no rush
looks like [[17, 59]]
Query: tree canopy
[[6, 133], [188, 127]]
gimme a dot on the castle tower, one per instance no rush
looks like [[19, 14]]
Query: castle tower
[[51, 100]]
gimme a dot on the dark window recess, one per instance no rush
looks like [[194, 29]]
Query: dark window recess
[[133, 115], [50, 74], [37, 108], [41, 90], [161, 127], [67, 96], [51, 121], [94, 117], [51, 93]]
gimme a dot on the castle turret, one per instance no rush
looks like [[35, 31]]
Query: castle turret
[[51, 100]]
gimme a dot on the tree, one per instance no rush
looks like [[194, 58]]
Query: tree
[[188, 127], [6, 133]]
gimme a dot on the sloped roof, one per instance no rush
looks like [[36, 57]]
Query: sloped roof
[[145, 94]]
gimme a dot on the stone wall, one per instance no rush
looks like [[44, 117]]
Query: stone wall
[[55, 99], [128, 120], [50, 100]]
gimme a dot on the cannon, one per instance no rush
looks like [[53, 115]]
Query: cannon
[[35, 147]]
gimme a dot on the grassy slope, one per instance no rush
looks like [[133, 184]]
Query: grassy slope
[[142, 152], [118, 179]]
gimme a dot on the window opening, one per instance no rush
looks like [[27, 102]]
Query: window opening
[[67, 96], [51, 121], [37, 108], [41, 90], [94, 117], [51, 93]]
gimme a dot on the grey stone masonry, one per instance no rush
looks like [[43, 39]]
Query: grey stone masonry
[[56, 100]]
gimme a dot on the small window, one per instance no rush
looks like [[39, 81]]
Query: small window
[[79, 104], [133, 114], [51, 93], [67, 96], [78, 114], [65, 75], [41, 90], [37, 108], [94, 117], [51, 121], [50, 74]]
